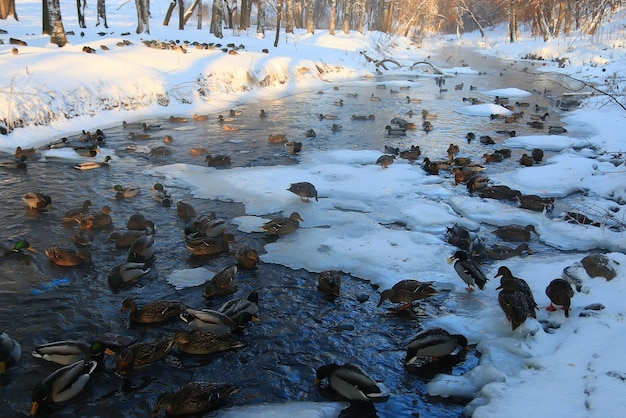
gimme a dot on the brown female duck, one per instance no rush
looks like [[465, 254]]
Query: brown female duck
[[406, 292], [329, 282], [152, 312], [209, 246], [194, 398], [68, 257], [223, 283], [142, 353], [560, 293], [205, 342], [515, 232], [305, 190], [282, 225]]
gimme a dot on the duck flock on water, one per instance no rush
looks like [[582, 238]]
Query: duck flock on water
[[215, 330]]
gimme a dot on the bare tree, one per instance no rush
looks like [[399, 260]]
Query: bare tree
[[333, 15], [80, 8], [260, 18], [310, 23], [244, 16], [289, 16], [7, 8], [102, 13], [279, 14], [217, 16], [53, 23], [143, 16], [347, 16]]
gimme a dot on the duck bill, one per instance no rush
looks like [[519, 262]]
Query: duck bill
[[450, 259], [3, 367], [255, 319], [109, 352], [34, 408], [32, 250]]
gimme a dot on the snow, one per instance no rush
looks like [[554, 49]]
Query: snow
[[574, 370]]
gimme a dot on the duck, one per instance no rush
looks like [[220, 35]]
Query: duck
[[477, 182], [83, 238], [36, 200], [537, 155], [162, 150], [222, 283], [142, 353], [391, 131], [194, 398], [161, 195], [65, 352], [338, 102], [385, 160], [506, 152], [305, 190], [470, 136], [212, 320], [262, 114], [458, 236], [535, 124], [518, 301], [10, 352], [433, 344], [515, 232], [283, 225], [91, 165], [125, 192], [198, 151], [19, 164], [560, 293], [526, 161], [206, 228], [336, 127], [329, 282], [205, 342], [126, 239], [453, 149], [374, 98], [139, 222], [499, 192], [73, 214], [232, 308], [247, 258], [97, 221], [177, 119], [142, 249], [218, 160], [535, 202], [277, 139], [125, 274], [433, 167], [427, 126], [556, 130], [209, 246], [494, 157], [327, 116], [90, 151], [310, 133], [144, 136], [28, 152], [403, 123], [351, 382], [486, 140], [461, 175], [468, 270], [499, 252], [62, 385], [185, 211], [17, 249], [221, 118], [56, 144], [392, 150], [152, 312], [363, 117], [68, 257], [412, 154], [293, 147], [406, 292], [410, 100]]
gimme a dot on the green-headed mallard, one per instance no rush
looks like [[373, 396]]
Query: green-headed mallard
[[329, 282], [212, 228], [209, 246], [36, 200], [15, 164], [66, 352], [142, 249], [391, 131], [247, 258], [126, 273], [212, 320], [385, 160], [560, 293], [142, 353], [217, 160], [125, 192], [161, 195], [194, 398], [223, 283], [152, 312], [407, 291], [185, 211], [303, 189], [234, 307], [97, 221], [351, 382], [10, 352], [90, 165], [17, 250], [126, 239], [62, 385], [477, 182], [468, 270], [515, 232], [68, 257], [515, 298], [433, 343], [282, 225], [138, 221], [205, 342], [73, 214]]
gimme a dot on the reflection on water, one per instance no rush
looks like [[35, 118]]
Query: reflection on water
[[300, 329]]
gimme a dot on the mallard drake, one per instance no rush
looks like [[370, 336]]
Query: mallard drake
[[282, 225], [468, 270], [537, 155], [142, 249], [277, 139], [142, 353], [28, 152], [205, 342], [411, 154], [526, 161], [432, 344], [392, 150], [500, 192], [90, 151], [212, 320], [67, 257], [36, 200], [62, 385], [221, 119], [126, 273], [329, 282], [516, 298], [152, 312], [406, 292], [351, 382], [15, 164], [459, 237], [303, 189], [10, 352], [185, 211], [385, 160], [232, 308], [126, 239], [477, 182], [247, 258], [556, 130], [90, 165], [194, 398], [515, 232], [161, 195], [125, 192], [403, 123], [395, 131], [560, 293], [535, 124], [209, 246], [218, 160], [535, 202], [138, 221], [293, 147], [73, 214], [97, 221], [58, 143], [211, 228], [66, 352], [222, 283], [16, 251]]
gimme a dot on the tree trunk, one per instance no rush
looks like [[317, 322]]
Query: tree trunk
[[279, 13], [80, 9], [260, 18], [289, 17], [143, 16], [244, 16], [53, 23], [298, 12], [347, 16], [543, 25], [310, 23], [512, 21], [363, 10], [333, 15], [168, 13], [102, 13], [189, 11], [217, 16], [7, 8], [181, 15]]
